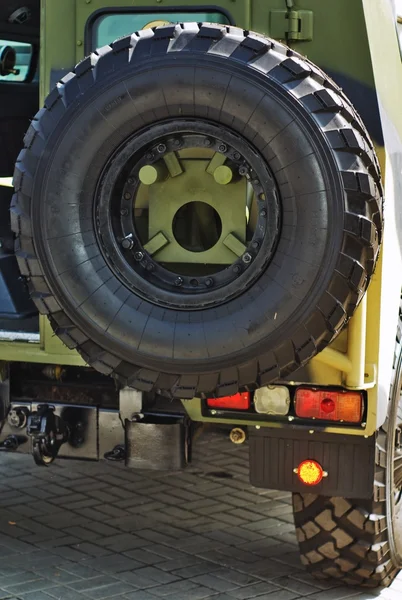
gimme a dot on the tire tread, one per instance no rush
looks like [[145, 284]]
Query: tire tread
[[363, 221]]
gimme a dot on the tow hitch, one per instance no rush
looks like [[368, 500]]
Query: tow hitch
[[142, 439], [48, 432]]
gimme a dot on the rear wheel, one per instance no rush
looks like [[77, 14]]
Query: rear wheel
[[197, 209], [357, 541]]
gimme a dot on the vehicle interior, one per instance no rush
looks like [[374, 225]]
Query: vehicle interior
[[19, 101]]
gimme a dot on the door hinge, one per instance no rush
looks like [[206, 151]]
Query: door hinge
[[291, 25]]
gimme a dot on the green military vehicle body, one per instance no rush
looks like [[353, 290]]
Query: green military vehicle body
[[197, 214]]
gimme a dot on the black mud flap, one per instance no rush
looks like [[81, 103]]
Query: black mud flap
[[347, 459], [158, 442]]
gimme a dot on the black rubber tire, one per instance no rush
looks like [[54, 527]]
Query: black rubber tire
[[349, 539], [325, 168]]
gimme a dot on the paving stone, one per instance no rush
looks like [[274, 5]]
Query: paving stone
[[64, 593], [37, 584], [252, 591], [174, 588], [201, 568], [17, 577], [215, 583], [278, 595], [36, 596], [102, 530], [235, 576], [222, 597], [96, 531], [144, 556], [139, 595], [293, 585], [113, 563], [70, 553], [197, 593], [58, 576], [110, 591], [92, 549], [156, 575], [138, 581], [341, 592], [82, 533], [79, 570]]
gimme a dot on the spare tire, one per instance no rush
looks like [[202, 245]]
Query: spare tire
[[129, 116]]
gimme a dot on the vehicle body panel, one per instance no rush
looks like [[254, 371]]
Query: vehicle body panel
[[361, 357]]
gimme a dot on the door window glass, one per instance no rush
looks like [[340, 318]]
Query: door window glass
[[110, 26], [15, 60]]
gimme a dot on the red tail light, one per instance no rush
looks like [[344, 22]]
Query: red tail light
[[240, 401], [335, 405]]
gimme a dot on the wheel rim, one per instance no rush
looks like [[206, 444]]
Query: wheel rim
[[226, 195], [394, 468]]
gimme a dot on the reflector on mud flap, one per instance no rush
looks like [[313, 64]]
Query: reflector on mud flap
[[310, 472]]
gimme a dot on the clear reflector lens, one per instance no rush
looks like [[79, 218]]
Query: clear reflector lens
[[336, 405], [272, 400]]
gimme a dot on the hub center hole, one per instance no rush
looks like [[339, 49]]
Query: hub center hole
[[197, 226]]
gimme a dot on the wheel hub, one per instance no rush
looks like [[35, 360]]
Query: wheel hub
[[187, 214]]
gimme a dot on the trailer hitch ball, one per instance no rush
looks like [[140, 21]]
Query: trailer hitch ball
[[238, 435]]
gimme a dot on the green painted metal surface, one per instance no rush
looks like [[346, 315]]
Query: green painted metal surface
[[340, 43], [198, 186], [332, 33]]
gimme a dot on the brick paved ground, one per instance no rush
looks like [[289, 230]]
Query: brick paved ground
[[97, 531]]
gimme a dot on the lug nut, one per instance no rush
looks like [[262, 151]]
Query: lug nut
[[150, 267], [236, 156], [150, 156], [207, 142], [209, 282], [247, 258], [178, 281], [222, 148], [138, 255], [237, 269], [130, 180], [127, 196], [194, 282], [255, 245], [124, 212], [263, 213], [127, 243], [161, 148], [176, 142]]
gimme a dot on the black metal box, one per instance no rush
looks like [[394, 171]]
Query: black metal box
[[158, 443]]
